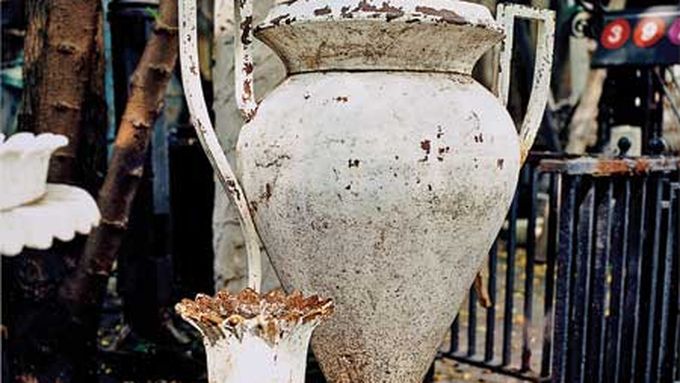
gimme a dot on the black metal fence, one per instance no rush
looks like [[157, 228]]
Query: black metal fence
[[585, 286]]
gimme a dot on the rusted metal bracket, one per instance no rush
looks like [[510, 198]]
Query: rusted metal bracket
[[482, 292], [610, 166]]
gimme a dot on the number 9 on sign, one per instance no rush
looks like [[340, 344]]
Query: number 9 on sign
[[615, 34], [649, 31]]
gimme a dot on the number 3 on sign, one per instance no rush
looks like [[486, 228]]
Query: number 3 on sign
[[615, 34], [649, 31]]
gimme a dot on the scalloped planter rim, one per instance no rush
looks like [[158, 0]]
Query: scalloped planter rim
[[24, 160]]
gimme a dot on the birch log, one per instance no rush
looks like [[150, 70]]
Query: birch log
[[63, 71], [84, 288]]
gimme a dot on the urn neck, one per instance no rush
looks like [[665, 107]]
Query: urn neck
[[364, 35]]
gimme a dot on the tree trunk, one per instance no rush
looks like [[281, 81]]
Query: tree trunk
[[63, 65], [583, 127], [63, 93], [54, 340], [83, 290]]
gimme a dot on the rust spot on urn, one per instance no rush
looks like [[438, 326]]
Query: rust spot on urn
[[247, 90], [277, 20], [391, 12], [425, 145], [267, 192], [232, 189], [278, 161], [441, 151], [353, 163], [248, 67], [322, 11], [499, 163], [342, 99], [445, 15], [246, 27]]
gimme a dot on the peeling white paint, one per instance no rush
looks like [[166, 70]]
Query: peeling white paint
[[380, 172], [540, 88]]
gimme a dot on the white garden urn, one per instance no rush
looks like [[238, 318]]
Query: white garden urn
[[256, 338], [379, 172]]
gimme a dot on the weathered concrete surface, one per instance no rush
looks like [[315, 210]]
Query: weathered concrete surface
[[382, 182], [383, 191], [377, 176]]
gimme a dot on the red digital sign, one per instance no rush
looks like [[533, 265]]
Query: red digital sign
[[674, 32], [649, 31], [639, 37], [615, 34]]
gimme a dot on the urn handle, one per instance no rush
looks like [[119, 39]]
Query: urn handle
[[193, 92], [506, 15], [243, 59]]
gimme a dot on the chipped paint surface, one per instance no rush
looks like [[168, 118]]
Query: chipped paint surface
[[256, 338], [422, 11], [243, 57], [540, 88], [380, 171], [368, 34], [385, 202]]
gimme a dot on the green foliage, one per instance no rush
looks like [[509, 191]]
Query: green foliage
[[153, 13]]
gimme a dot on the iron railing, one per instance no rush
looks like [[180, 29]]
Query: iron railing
[[591, 295]]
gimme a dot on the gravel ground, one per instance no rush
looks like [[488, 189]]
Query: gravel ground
[[448, 371]]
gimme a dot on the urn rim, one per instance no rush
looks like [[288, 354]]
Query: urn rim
[[379, 35], [454, 12]]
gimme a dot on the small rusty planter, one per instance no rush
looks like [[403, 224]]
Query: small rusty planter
[[256, 338], [379, 172]]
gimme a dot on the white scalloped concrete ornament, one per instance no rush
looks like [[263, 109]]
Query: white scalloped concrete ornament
[[33, 212], [24, 159], [63, 211]]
